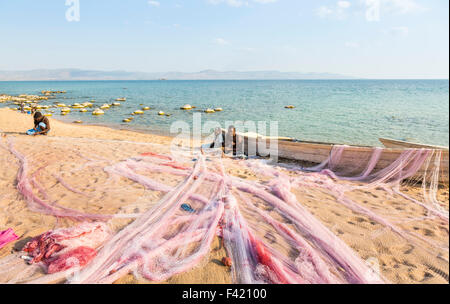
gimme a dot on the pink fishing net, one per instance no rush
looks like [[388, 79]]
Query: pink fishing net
[[269, 228], [66, 248], [7, 237]]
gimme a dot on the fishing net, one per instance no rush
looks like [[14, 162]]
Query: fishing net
[[371, 222]]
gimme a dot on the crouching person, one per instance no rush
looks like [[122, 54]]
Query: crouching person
[[41, 125]]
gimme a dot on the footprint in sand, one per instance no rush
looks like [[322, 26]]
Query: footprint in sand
[[428, 232], [360, 220], [409, 250]]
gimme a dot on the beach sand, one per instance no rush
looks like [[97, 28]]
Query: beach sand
[[76, 152]]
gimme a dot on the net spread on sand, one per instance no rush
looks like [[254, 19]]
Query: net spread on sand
[[277, 227]]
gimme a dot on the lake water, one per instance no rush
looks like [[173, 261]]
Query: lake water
[[338, 111]]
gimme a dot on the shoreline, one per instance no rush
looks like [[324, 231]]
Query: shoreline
[[73, 127], [351, 111]]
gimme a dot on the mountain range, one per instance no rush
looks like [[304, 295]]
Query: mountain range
[[78, 74]]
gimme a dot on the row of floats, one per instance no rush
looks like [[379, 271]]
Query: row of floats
[[83, 108], [162, 113]]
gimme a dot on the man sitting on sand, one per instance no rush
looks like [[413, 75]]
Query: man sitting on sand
[[228, 142], [41, 125]]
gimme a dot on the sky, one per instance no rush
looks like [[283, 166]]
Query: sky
[[360, 38]]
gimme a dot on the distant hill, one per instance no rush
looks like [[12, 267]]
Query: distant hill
[[77, 74]]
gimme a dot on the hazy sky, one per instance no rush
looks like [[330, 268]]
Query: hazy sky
[[365, 38]]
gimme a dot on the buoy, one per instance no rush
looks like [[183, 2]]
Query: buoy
[[121, 99], [116, 104], [65, 110], [186, 107], [168, 115], [48, 114], [139, 112], [83, 110], [146, 108], [161, 113], [209, 111], [218, 109], [61, 105], [126, 120], [77, 121], [98, 112], [290, 107], [105, 106]]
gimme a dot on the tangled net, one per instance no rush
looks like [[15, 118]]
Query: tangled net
[[269, 235]]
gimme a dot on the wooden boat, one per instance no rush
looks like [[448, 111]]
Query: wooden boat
[[317, 152], [400, 144]]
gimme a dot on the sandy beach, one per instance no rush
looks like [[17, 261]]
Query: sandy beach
[[77, 155]]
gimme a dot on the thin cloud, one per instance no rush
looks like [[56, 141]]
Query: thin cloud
[[399, 31], [154, 3], [337, 11], [401, 6], [352, 44], [221, 41], [239, 3]]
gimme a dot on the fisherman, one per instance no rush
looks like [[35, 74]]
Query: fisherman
[[228, 142], [231, 141], [41, 125]]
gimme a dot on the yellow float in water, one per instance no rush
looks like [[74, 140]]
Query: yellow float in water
[[48, 114], [290, 107], [98, 112], [161, 113], [138, 112], [121, 99], [116, 104], [105, 106], [146, 108], [66, 110], [186, 107], [126, 120], [77, 106], [77, 121], [87, 104], [168, 115], [61, 105], [209, 111], [83, 110], [218, 109]]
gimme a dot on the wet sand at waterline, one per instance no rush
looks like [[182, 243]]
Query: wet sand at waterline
[[67, 150]]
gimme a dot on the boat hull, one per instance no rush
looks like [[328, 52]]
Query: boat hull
[[399, 144], [352, 157]]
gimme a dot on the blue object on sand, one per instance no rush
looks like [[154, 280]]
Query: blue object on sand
[[40, 127], [187, 208]]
